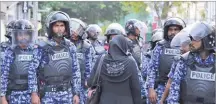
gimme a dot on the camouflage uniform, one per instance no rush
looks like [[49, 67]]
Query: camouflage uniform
[[63, 97]]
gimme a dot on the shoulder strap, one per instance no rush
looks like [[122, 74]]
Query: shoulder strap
[[98, 71]]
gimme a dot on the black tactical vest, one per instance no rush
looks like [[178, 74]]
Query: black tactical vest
[[99, 48], [18, 75], [165, 61], [136, 52], [198, 87], [59, 68], [81, 59]]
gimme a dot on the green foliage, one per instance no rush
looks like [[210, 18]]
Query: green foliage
[[95, 11], [167, 7], [132, 6], [91, 12], [202, 13]]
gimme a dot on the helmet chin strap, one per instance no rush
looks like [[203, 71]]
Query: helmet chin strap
[[58, 35]]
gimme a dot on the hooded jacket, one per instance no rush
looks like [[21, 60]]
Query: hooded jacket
[[119, 76]]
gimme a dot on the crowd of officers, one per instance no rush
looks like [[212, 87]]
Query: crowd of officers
[[178, 67]]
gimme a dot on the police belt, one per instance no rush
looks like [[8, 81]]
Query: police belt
[[20, 77], [19, 87], [57, 88], [58, 80], [19, 83], [200, 100]]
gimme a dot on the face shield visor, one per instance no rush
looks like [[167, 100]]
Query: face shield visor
[[199, 30], [77, 28], [22, 37], [94, 31], [181, 38]]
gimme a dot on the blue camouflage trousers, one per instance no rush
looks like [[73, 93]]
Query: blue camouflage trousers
[[83, 95], [142, 84], [61, 97], [159, 90], [19, 97]]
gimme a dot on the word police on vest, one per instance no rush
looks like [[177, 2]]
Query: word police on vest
[[25, 57], [202, 76], [169, 51], [59, 56]]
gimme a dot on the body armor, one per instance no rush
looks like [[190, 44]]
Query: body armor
[[81, 50], [98, 47], [59, 69], [18, 77], [166, 58], [198, 87], [136, 51]]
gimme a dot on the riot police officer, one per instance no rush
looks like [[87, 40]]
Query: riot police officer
[[6, 44], [133, 33], [85, 52], [156, 37], [114, 29], [59, 73], [17, 78], [193, 81], [180, 41], [161, 60], [93, 31]]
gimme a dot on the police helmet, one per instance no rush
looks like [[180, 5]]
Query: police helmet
[[93, 31], [173, 21], [54, 17]]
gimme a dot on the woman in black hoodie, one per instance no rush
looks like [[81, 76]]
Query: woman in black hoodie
[[119, 76]]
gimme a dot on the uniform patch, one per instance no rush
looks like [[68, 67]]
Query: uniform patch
[[169, 51], [80, 55], [59, 56], [25, 57], [202, 76]]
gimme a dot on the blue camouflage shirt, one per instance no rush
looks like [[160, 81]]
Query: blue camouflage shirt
[[41, 58], [172, 70], [5, 68], [145, 65], [89, 57], [3, 47], [153, 66], [180, 73]]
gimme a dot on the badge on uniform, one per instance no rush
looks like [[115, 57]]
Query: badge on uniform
[[169, 51], [25, 57], [59, 56], [202, 76]]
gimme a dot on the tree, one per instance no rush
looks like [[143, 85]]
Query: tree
[[88, 11], [97, 12], [165, 7]]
